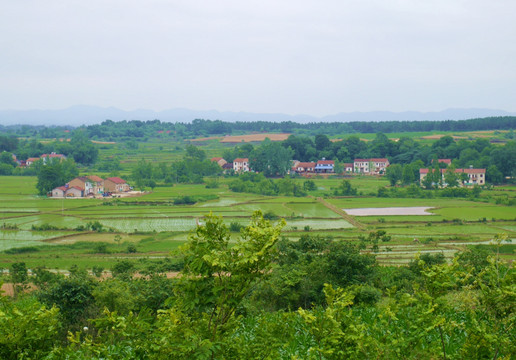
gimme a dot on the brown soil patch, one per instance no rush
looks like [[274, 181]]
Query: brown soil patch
[[254, 137], [432, 137], [8, 289], [437, 137]]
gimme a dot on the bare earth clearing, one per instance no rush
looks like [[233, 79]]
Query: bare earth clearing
[[437, 137]]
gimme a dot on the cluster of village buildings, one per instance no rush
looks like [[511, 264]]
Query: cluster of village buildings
[[87, 186], [91, 186], [359, 166], [44, 158], [373, 166]]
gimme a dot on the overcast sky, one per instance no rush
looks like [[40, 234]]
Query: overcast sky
[[289, 56]]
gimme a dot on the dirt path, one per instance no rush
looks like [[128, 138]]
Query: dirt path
[[345, 216]]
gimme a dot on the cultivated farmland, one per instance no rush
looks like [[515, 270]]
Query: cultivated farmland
[[156, 226]]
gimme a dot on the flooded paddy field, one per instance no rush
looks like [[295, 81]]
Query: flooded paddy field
[[387, 211], [155, 225]]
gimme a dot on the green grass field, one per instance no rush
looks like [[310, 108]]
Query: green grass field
[[157, 227]]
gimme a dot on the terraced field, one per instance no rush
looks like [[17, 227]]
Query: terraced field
[[156, 226]]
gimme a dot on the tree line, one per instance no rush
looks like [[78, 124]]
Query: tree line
[[138, 129]]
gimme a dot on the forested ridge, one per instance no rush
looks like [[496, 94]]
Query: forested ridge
[[109, 130]]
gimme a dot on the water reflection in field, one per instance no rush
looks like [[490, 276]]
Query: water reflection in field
[[412, 210]]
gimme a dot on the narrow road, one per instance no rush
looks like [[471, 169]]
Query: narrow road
[[342, 213]]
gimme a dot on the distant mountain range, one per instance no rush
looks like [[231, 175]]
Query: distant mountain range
[[87, 115]]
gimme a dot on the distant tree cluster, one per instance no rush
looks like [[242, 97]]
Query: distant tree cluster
[[191, 169], [257, 183], [110, 130], [54, 173]]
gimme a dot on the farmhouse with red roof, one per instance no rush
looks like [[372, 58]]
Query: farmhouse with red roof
[[241, 165], [219, 161], [98, 184], [373, 166], [474, 176], [115, 184], [325, 166], [304, 167]]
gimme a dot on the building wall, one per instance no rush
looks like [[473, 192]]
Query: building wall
[[86, 185], [73, 192], [57, 193], [98, 187], [241, 166], [109, 186]]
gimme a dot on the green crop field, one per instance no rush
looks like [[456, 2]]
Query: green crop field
[[156, 226]]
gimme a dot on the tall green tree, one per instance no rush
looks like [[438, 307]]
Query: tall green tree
[[84, 152], [218, 275], [450, 177], [493, 175], [55, 173], [394, 174], [142, 174], [322, 142], [271, 158], [408, 176]]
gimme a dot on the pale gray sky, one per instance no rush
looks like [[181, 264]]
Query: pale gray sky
[[290, 56]]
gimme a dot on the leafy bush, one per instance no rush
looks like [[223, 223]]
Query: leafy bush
[[45, 227], [184, 200], [212, 184], [345, 189], [6, 226], [131, 248], [73, 296], [101, 248], [270, 215], [235, 227], [367, 295], [28, 329], [21, 250], [123, 269], [309, 185]]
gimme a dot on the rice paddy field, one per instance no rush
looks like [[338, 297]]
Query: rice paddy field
[[155, 226]]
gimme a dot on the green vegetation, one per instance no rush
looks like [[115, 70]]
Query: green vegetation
[[259, 296], [303, 280]]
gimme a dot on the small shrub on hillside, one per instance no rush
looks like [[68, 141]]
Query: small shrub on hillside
[[95, 226], [270, 215], [6, 226], [309, 185], [44, 227], [212, 184], [97, 270], [184, 200], [101, 248], [367, 295], [123, 269], [235, 227]]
